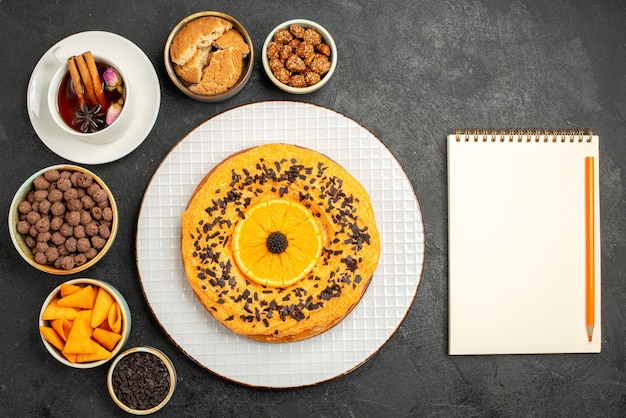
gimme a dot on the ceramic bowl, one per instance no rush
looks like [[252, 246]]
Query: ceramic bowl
[[326, 38], [21, 242], [117, 298], [183, 86], [124, 363]]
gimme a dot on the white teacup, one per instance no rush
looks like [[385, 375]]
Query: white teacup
[[106, 135]]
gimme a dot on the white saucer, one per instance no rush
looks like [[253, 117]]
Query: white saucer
[[140, 74]]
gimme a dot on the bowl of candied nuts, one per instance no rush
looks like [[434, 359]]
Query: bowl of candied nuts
[[63, 219], [299, 56]]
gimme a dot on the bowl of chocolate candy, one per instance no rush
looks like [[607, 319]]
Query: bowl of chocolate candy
[[63, 219], [141, 380], [299, 56]]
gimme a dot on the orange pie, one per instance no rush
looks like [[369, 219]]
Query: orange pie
[[279, 242]]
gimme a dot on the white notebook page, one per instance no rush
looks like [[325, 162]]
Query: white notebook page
[[517, 246]]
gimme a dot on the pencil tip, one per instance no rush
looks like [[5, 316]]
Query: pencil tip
[[590, 332]]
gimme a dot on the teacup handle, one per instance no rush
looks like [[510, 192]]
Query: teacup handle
[[60, 55]]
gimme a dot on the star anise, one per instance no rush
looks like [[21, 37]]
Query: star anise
[[89, 118]]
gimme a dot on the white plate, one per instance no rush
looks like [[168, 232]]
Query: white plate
[[140, 74], [376, 317]]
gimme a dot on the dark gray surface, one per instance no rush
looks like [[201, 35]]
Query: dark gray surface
[[409, 71]]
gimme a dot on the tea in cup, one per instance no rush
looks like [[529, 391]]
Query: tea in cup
[[88, 98]]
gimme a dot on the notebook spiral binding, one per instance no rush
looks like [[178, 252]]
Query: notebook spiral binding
[[523, 135]]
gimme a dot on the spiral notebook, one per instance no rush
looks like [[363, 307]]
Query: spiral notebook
[[524, 242]]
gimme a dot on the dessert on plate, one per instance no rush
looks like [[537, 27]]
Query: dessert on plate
[[279, 242]]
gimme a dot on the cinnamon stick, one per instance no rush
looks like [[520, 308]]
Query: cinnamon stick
[[95, 78], [86, 78], [76, 82]]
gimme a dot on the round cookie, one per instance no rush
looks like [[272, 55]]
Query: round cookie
[[328, 224], [198, 33], [224, 70]]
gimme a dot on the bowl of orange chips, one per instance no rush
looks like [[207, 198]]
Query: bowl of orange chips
[[84, 323]]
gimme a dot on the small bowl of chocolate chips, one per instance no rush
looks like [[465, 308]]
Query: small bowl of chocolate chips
[[141, 380]]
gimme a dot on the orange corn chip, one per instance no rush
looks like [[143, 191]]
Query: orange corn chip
[[107, 339], [62, 327], [99, 353], [79, 346], [105, 326], [81, 299], [70, 357], [78, 340], [52, 337], [101, 307], [54, 311], [95, 294], [115, 318], [68, 289], [86, 314]]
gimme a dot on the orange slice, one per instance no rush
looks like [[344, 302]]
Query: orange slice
[[277, 243]]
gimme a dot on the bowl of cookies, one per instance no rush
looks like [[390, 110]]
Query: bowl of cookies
[[209, 56], [63, 219], [84, 323], [299, 56]]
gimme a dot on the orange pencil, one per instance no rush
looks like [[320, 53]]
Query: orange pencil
[[590, 235]]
